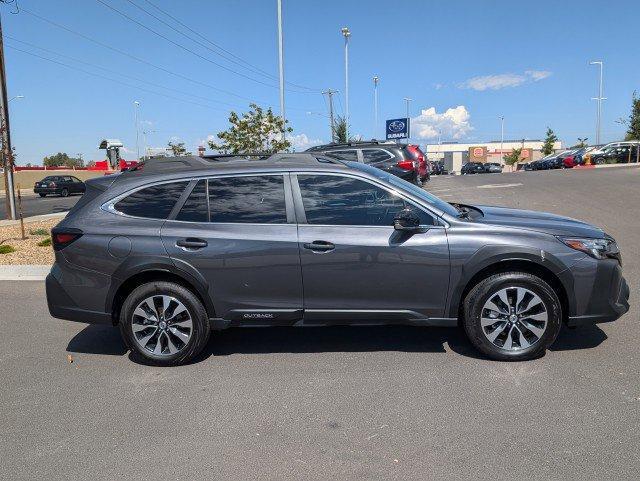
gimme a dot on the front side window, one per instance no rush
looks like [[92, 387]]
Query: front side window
[[247, 199], [155, 202], [337, 200]]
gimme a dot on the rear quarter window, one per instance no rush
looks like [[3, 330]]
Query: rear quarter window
[[155, 202]]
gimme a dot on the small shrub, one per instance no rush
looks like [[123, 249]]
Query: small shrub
[[45, 242], [39, 232], [6, 249]]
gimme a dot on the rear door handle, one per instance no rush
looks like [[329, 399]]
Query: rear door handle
[[191, 243], [321, 246]]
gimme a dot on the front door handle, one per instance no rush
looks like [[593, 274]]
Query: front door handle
[[191, 243], [321, 246]]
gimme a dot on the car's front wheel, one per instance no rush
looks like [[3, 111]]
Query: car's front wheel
[[164, 323], [513, 316]]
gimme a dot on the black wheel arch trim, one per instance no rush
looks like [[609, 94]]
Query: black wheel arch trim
[[158, 264], [492, 255]]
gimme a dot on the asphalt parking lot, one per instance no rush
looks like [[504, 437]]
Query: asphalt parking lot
[[337, 403], [35, 205]]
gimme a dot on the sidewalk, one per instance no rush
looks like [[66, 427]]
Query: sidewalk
[[24, 272]]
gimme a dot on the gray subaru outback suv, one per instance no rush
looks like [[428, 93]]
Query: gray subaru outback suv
[[178, 247]]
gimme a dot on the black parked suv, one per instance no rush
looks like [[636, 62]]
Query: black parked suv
[[63, 185], [176, 247], [406, 161]]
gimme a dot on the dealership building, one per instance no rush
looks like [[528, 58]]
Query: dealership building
[[455, 154]]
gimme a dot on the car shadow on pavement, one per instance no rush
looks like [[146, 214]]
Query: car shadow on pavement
[[106, 340], [98, 339]]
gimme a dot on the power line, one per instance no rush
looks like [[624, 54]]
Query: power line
[[138, 59], [239, 61], [137, 79], [181, 46], [115, 80]]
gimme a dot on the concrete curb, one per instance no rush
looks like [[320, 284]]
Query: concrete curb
[[34, 218], [24, 272]]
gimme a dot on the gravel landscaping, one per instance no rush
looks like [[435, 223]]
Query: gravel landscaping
[[28, 251]]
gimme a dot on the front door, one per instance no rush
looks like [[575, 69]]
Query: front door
[[238, 233], [355, 266]]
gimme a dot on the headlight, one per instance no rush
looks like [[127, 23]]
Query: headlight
[[598, 248]]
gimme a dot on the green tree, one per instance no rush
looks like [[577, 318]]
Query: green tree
[[513, 157], [549, 141], [258, 130], [178, 148], [61, 159], [340, 130], [633, 122]]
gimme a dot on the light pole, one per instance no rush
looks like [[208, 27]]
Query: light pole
[[501, 136], [599, 98], [346, 34], [407, 100], [281, 67], [144, 141], [136, 105], [375, 106], [15, 98]]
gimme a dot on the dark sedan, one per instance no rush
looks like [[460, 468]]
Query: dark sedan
[[63, 185]]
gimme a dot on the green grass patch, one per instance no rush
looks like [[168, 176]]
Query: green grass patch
[[6, 249], [39, 232], [45, 242]]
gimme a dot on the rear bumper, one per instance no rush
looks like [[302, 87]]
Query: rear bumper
[[608, 299], [46, 190], [62, 306]]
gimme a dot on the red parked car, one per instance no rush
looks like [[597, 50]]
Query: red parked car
[[423, 164]]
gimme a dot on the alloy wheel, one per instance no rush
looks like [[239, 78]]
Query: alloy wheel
[[162, 325], [514, 318]]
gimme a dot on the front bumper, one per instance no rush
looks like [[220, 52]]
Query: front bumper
[[604, 298]]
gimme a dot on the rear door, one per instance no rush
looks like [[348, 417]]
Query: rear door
[[355, 266], [239, 233]]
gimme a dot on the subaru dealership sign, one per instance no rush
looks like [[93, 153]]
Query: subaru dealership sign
[[397, 129]]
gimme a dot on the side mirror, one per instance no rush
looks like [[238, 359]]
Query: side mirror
[[406, 220]]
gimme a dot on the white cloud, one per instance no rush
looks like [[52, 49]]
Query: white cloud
[[505, 80], [301, 142], [451, 124]]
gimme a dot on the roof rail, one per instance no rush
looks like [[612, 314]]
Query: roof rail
[[352, 143]]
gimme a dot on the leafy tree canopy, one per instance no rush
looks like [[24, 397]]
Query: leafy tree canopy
[[550, 139], [61, 159]]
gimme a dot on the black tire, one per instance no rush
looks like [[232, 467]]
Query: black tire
[[598, 160], [64, 192], [42, 195], [482, 292], [200, 332]]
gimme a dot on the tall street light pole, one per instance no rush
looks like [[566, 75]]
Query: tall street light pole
[[599, 98], [346, 34], [376, 79], [501, 136], [136, 105], [281, 67], [407, 100]]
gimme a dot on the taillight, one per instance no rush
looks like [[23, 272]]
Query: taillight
[[407, 164], [61, 238]]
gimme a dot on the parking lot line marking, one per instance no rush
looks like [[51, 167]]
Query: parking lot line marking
[[498, 186]]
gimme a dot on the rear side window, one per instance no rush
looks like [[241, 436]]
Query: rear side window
[[344, 154], [195, 208], [374, 156], [247, 200], [155, 202]]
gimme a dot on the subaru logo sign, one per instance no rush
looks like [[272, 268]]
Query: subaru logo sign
[[397, 129]]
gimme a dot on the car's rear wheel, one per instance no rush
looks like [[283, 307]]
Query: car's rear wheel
[[64, 192], [513, 316], [164, 323], [42, 195]]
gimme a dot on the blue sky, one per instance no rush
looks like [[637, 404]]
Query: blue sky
[[465, 63]]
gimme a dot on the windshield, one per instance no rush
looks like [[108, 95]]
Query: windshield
[[439, 204]]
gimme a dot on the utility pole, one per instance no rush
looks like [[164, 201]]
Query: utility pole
[[599, 98], [329, 93], [281, 68], [7, 153], [346, 34], [376, 79], [136, 104], [407, 100]]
